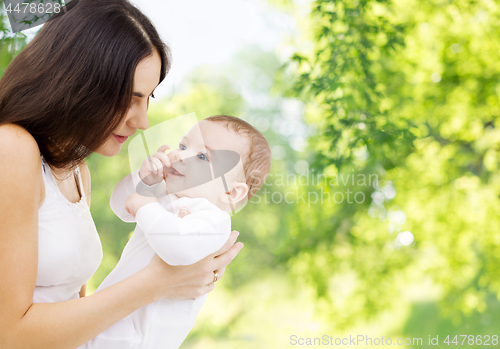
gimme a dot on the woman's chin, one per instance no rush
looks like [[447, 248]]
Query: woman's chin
[[109, 150]]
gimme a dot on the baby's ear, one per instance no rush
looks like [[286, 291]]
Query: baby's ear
[[237, 192]]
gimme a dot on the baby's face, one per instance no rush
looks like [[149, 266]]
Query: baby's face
[[193, 161]]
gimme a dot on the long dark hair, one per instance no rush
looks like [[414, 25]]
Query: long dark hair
[[71, 86]]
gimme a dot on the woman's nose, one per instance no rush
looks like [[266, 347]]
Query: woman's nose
[[139, 119]]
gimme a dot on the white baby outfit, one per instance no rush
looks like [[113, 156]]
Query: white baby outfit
[[163, 324]]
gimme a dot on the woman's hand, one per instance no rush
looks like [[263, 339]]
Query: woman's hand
[[151, 171], [191, 281]]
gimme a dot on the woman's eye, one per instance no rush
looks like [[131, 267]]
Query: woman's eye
[[182, 147], [203, 157]]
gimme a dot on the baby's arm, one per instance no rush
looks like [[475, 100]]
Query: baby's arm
[[149, 178], [184, 241], [127, 186]]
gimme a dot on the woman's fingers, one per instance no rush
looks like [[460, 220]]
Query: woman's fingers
[[221, 272], [207, 288], [211, 277], [224, 259], [230, 242], [226, 253]]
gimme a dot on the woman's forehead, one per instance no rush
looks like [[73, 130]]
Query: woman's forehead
[[147, 74]]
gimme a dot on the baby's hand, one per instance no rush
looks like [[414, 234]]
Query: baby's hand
[[135, 201], [151, 171], [183, 212]]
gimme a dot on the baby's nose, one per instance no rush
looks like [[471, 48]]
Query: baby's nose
[[174, 156], [183, 155]]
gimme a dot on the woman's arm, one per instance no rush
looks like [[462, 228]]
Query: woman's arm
[[68, 324]]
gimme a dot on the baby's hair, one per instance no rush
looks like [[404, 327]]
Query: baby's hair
[[257, 163]]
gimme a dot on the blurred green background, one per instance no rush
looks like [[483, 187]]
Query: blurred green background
[[379, 216]]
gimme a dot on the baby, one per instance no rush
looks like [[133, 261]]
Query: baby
[[182, 203]]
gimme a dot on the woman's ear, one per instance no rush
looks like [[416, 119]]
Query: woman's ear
[[238, 192]]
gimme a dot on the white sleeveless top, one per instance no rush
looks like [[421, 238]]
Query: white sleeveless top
[[69, 248]]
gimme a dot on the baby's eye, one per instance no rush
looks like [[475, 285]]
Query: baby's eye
[[203, 157], [182, 147]]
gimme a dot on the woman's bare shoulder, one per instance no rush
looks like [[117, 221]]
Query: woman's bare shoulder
[[20, 163], [17, 142]]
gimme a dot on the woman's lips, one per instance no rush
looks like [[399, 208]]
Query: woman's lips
[[120, 139]]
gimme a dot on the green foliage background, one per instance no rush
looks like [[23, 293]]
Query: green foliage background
[[414, 87], [406, 91]]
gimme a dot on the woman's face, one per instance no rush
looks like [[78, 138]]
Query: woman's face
[[146, 78]]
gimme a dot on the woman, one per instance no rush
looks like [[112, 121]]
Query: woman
[[82, 85]]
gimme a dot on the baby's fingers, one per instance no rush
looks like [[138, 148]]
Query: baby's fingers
[[156, 166], [163, 148], [165, 160]]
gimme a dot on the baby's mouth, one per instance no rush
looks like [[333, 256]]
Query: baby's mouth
[[173, 172]]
